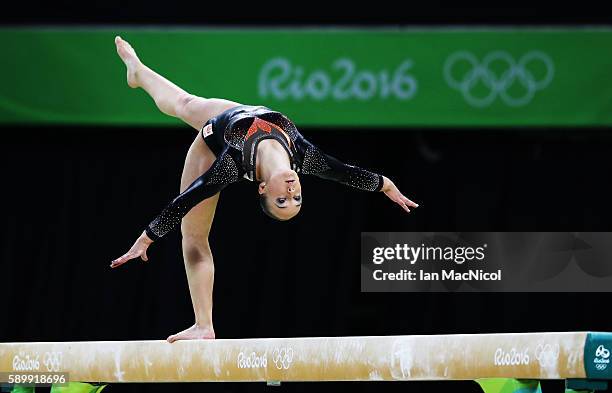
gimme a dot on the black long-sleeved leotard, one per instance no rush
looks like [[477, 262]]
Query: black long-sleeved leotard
[[236, 133]]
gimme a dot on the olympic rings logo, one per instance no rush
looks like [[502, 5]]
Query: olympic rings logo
[[547, 355], [282, 357], [498, 85], [53, 361]]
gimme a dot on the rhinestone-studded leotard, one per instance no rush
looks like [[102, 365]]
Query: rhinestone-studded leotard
[[236, 133]]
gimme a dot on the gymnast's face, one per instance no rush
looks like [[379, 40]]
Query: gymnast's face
[[283, 193]]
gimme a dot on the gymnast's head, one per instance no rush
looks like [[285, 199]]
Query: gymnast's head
[[281, 196]]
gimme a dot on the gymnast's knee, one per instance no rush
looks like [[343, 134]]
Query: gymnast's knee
[[182, 105], [196, 250], [184, 108]]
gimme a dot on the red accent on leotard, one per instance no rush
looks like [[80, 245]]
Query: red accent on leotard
[[259, 124]]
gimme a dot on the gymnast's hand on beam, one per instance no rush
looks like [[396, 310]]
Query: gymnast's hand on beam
[[139, 249], [396, 196]]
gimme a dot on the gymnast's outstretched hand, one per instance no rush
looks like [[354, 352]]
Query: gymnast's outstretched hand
[[139, 249], [396, 196]]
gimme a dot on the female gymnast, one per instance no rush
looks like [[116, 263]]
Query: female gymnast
[[235, 141]]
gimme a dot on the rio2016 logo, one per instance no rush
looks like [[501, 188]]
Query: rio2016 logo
[[282, 357], [252, 360], [513, 357], [602, 358], [465, 73], [24, 362], [282, 80]]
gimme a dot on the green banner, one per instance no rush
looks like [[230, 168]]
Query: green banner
[[318, 77]]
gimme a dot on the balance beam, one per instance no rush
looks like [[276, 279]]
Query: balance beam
[[572, 355]]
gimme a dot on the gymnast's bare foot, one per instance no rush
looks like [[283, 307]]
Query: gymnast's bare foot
[[195, 332], [131, 60]]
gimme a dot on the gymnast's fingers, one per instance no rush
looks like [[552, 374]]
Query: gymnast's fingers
[[121, 260], [403, 205], [410, 203]]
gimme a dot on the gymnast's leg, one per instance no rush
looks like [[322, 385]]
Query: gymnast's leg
[[169, 98], [197, 255], [195, 226]]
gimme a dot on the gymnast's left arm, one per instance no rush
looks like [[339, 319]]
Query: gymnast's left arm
[[327, 167]]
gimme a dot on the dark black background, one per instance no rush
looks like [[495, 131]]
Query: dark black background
[[76, 197], [274, 12]]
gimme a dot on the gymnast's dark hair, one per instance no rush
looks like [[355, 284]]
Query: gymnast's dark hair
[[263, 202]]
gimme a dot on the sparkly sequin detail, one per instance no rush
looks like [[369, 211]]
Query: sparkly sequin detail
[[167, 220], [325, 166], [225, 173], [283, 122], [314, 162], [363, 179]]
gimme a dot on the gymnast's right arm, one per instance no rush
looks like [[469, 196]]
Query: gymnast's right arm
[[223, 172], [174, 212]]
